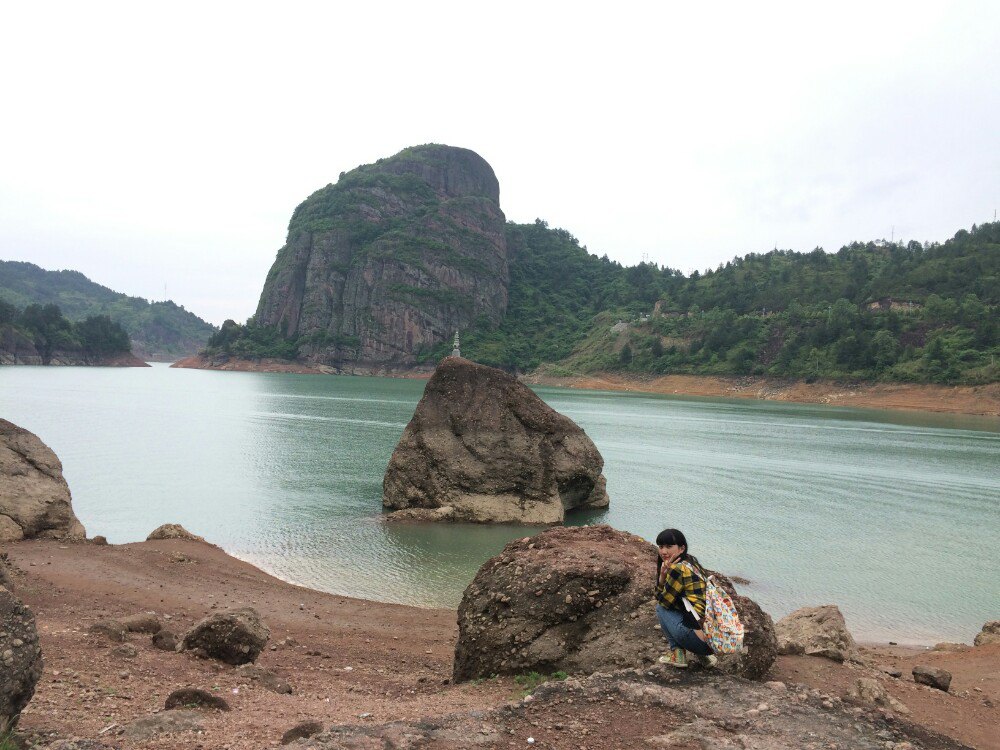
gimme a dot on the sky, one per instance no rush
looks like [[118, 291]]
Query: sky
[[160, 148]]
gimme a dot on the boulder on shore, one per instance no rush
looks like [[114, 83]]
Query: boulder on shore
[[484, 445], [173, 531], [235, 637], [34, 497], [817, 631], [578, 599], [20, 658], [989, 634]]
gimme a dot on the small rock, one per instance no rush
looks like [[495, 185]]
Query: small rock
[[776, 686], [195, 698], [100, 541], [126, 650], [301, 730], [932, 677], [165, 640], [144, 622], [173, 531], [167, 722], [952, 647], [266, 678], [892, 672], [112, 629], [236, 636]]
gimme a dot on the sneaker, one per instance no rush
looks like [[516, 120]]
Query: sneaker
[[710, 661], [675, 658]]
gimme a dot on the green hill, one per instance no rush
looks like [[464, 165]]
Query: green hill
[[158, 330]]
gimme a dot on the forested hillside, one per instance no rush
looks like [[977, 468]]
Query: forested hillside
[[875, 311], [39, 332], [160, 330]]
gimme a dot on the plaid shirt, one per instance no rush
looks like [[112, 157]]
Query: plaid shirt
[[682, 581]]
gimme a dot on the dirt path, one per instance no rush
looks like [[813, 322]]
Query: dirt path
[[349, 661]]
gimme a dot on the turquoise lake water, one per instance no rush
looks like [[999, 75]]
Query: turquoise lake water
[[812, 504]]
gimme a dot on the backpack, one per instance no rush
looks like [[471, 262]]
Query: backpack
[[722, 623]]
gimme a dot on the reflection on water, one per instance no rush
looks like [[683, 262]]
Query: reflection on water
[[812, 504]]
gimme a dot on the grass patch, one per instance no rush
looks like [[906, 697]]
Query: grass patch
[[530, 681]]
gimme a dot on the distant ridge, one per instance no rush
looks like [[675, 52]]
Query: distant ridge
[[160, 331]]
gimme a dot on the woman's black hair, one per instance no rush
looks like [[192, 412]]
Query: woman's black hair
[[668, 537]]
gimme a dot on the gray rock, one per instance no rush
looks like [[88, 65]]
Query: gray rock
[[871, 691], [195, 698], [816, 631], [126, 650], [20, 658], [34, 497], [173, 531], [301, 730], [165, 640], [167, 722], [235, 636], [577, 599], [989, 634], [932, 677], [113, 630], [484, 445]]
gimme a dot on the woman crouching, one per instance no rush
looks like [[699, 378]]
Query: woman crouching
[[680, 599]]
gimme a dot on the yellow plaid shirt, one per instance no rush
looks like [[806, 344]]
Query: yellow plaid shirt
[[682, 581]]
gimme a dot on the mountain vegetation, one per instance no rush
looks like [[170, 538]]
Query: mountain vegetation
[[48, 332], [158, 330], [871, 311]]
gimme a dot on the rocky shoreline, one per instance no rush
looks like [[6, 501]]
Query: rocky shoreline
[[369, 674]]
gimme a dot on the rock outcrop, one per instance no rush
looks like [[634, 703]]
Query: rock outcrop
[[34, 497], [817, 631], [578, 600], [989, 634], [235, 637], [391, 261], [485, 446], [173, 531], [647, 708], [20, 658]]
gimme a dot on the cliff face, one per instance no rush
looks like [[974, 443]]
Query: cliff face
[[391, 260]]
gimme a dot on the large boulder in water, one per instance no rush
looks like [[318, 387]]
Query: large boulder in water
[[20, 658], [579, 600], [817, 631], [236, 636], [485, 446], [34, 497]]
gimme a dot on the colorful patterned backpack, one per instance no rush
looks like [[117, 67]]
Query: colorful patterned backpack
[[722, 623]]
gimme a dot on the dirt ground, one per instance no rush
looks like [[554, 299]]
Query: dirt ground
[[349, 661]]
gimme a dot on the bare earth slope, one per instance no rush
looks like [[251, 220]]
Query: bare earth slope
[[363, 663]]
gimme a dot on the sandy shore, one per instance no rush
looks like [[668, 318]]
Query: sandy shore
[[349, 661], [980, 399]]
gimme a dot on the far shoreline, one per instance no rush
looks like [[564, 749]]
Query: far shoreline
[[972, 400]]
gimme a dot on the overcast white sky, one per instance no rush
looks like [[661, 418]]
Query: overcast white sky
[[154, 145]]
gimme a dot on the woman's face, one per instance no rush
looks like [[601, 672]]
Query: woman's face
[[669, 552]]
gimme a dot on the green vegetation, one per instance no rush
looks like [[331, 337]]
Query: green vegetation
[[877, 311], [529, 682], [157, 328], [253, 341], [46, 328]]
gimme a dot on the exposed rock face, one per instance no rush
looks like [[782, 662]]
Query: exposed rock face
[[868, 690], [391, 260], [989, 634], [652, 708], [486, 446], [34, 497], [235, 637], [20, 658], [816, 631], [573, 599]]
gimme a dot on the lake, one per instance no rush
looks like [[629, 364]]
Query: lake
[[894, 516]]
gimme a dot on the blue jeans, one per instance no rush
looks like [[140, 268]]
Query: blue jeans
[[678, 634]]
